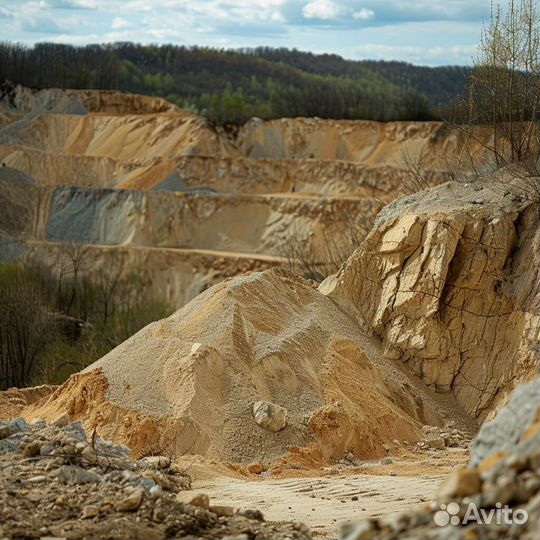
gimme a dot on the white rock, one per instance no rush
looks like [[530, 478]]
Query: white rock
[[269, 415]]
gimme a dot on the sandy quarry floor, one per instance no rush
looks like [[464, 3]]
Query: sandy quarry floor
[[327, 497], [324, 503]]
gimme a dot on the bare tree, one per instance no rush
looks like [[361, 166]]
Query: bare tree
[[107, 283], [25, 326], [317, 255], [68, 268], [504, 92]]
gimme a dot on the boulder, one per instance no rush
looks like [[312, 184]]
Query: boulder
[[509, 426], [193, 498], [269, 415]]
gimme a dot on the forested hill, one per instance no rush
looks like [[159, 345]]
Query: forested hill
[[229, 86]]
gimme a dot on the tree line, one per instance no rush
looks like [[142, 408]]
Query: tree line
[[230, 86]]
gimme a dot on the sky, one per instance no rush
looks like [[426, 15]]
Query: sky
[[424, 32]]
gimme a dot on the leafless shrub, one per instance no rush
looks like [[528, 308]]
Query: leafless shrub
[[25, 326], [504, 94], [316, 256]]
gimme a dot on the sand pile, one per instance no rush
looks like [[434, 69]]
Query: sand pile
[[188, 383]]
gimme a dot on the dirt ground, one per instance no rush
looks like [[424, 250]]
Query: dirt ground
[[326, 497]]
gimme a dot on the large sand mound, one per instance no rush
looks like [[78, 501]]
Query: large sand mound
[[187, 383]]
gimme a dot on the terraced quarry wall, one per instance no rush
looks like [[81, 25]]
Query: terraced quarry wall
[[108, 170]]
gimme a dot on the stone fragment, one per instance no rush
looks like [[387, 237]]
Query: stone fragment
[[256, 468], [461, 483], [89, 511], [363, 530], [89, 454], [131, 502], [32, 449], [157, 462], [194, 498], [72, 474], [37, 479], [436, 443], [61, 421], [224, 511], [269, 415]]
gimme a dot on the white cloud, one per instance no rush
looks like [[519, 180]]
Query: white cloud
[[322, 9], [119, 23], [420, 31], [71, 4], [363, 14]]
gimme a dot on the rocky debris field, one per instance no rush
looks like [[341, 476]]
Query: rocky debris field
[[58, 482], [497, 497], [437, 438]]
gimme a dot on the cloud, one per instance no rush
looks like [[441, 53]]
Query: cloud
[[364, 14], [120, 24], [422, 31], [458, 54], [72, 4], [322, 9]]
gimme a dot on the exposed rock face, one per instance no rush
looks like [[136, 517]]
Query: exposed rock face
[[59, 101], [506, 431], [448, 281]]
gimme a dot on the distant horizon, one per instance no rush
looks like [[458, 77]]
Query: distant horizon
[[423, 33], [235, 50]]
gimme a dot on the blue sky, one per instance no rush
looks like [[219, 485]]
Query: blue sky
[[426, 32]]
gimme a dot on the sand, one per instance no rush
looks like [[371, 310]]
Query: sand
[[265, 336]]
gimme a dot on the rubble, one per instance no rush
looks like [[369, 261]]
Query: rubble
[[57, 482]]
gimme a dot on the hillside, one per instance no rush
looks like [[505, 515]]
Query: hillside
[[233, 85]]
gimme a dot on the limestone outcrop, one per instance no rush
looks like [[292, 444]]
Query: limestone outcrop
[[447, 280]]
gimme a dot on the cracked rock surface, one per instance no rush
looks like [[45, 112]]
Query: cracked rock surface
[[450, 287]]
